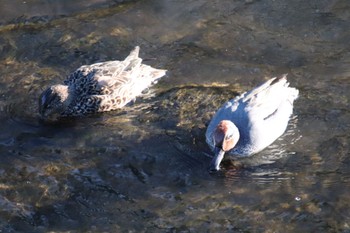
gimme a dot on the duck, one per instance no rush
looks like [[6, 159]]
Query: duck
[[248, 123], [98, 87]]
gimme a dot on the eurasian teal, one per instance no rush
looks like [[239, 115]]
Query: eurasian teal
[[252, 121], [99, 87]]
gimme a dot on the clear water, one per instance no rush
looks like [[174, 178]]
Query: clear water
[[144, 168]]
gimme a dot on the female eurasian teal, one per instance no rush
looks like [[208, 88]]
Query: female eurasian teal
[[252, 121], [99, 87]]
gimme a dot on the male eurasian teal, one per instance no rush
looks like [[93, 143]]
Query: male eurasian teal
[[99, 87], [252, 121]]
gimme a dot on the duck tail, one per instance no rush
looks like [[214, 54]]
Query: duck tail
[[143, 71], [279, 79], [134, 54], [293, 93], [152, 73]]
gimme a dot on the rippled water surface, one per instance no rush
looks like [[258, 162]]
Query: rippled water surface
[[144, 168]]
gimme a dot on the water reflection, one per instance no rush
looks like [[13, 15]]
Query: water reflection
[[144, 168]]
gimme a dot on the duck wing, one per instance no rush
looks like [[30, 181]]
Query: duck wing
[[101, 78], [268, 109], [263, 101]]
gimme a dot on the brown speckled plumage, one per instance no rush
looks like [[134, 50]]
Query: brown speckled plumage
[[99, 87]]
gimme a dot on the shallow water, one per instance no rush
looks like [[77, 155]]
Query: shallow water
[[144, 168]]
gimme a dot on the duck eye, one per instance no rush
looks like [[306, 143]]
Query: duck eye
[[229, 136]]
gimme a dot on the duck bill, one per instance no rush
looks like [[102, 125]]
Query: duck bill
[[215, 162]]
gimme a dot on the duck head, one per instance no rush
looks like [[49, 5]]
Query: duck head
[[53, 101], [225, 137]]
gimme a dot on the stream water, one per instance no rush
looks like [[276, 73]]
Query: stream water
[[144, 168]]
